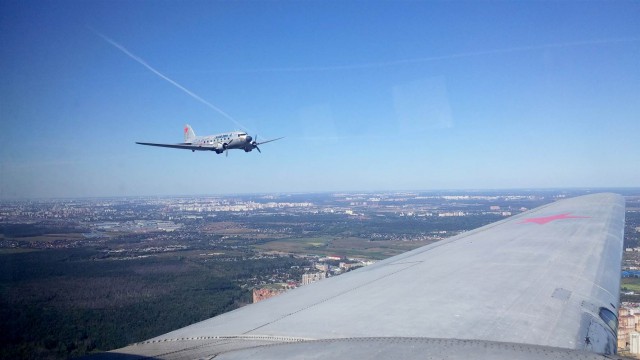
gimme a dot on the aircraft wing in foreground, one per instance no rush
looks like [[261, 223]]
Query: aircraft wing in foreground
[[542, 284]]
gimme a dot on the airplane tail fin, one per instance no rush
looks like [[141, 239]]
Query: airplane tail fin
[[189, 135]]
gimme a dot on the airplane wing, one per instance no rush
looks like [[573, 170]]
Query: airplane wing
[[268, 141], [178, 146], [541, 284]]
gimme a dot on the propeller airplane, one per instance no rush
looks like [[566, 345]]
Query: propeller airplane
[[219, 143]]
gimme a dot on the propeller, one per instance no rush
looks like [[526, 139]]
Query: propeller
[[254, 143]]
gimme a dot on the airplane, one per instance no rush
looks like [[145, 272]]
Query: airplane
[[543, 284], [219, 143]]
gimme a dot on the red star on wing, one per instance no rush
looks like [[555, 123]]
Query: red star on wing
[[546, 219]]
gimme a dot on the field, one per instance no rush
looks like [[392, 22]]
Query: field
[[344, 246], [630, 284]]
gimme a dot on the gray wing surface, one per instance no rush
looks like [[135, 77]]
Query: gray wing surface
[[178, 146], [268, 141], [542, 284]]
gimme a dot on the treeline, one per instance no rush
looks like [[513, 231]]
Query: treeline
[[60, 303], [244, 269], [26, 230], [632, 221]]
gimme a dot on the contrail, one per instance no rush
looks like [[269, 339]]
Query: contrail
[[171, 81], [382, 64]]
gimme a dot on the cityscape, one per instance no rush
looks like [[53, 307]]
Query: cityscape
[[87, 264]]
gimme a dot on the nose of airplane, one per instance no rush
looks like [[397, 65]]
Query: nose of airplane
[[248, 139]]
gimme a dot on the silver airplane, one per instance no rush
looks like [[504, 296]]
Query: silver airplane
[[219, 143], [543, 284]]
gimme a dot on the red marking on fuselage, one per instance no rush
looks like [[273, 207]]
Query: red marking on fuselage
[[546, 219], [186, 130]]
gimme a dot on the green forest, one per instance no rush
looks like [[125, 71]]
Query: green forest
[[66, 303]]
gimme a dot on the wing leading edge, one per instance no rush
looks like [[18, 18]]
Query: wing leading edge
[[542, 284]]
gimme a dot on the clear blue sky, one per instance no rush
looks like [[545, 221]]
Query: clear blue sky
[[371, 95]]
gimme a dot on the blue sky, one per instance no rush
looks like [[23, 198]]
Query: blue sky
[[371, 95]]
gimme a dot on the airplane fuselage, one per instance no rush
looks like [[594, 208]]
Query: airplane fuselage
[[222, 142]]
